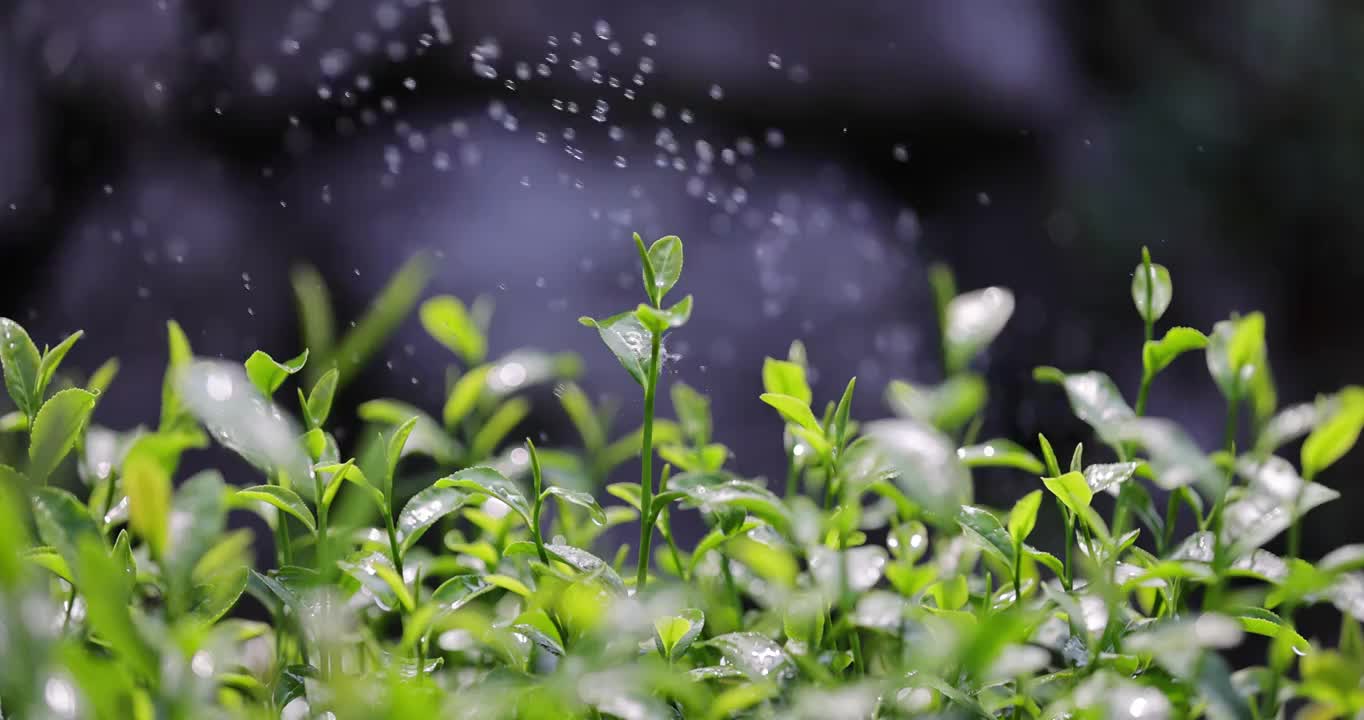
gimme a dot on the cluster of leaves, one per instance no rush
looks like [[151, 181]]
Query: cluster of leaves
[[438, 569]]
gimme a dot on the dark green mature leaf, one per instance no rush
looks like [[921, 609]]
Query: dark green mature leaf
[[281, 498], [59, 422], [425, 509], [21, 363], [786, 378], [487, 481], [984, 528], [793, 410], [972, 321], [665, 257], [267, 373], [1336, 434], [588, 564], [627, 339], [1094, 399], [925, 465], [1156, 355], [1000, 453], [448, 321], [1151, 290]]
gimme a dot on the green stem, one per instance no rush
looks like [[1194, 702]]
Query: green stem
[[1070, 543], [646, 464], [393, 543], [323, 561], [1142, 392]]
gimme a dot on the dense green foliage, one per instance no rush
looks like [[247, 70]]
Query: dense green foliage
[[438, 568]]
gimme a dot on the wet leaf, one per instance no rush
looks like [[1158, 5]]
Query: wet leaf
[[59, 422], [925, 465], [319, 404], [665, 258], [973, 320], [756, 655], [425, 509], [21, 363], [987, 532], [581, 499], [487, 481], [281, 498], [674, 634], [1151, 290], [1106, 477], [1094, 399], [627, 339]]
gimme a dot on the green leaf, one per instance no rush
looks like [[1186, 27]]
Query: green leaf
[[647, 269], [281, 498], [146, 474], [749, 497], [242, 420], [628, 339], [64, 523], [972, 321], [693, 412], [427, 438], [786, 378], [1072, 490], [498, 425], [21, 363], [459, 591], [1266, 507], [348, 471], [946, 407], [793, 410], [173, 412], [1336, 434], [756, 655], [1175, 459], [584, 416], [487, 481], [587, 564], [1156, 355], [658, 321], [951, 594], [385, 313], [925, 465], [841, 414], [665, 257], [1236, 353], [375, 573], [52, 359], [1023, 518], [315, 318], [393, 452], [319, 404], [58, 424], [450, 324], [267, 374], [581, 499], [425, 509], [1000, 453], [464, 395], [674, 634], [1157, 283], [1094, 399], [103, 376], [1105, 477], [984, 528]]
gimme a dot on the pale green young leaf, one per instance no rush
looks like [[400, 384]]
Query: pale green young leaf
[[693, 413], [584, 417], [1000, 453], [448, 321], [581, 499], [173, 412], [497, 426], [946, 407], [1336, 435], [283, 499], [427, 438], [984, 528], [1023, 517], [1151, 290], [925, 465], [647, 270], [103, 376], [58, 424], [464, 395], [52, 359], [793, 410], [627, 339], [972, 321], [674, 634], [786, 378], [1156, 355], [315, 318], [385, 313], [267, 373], [318, 407], [665, 257], [1072, 490]]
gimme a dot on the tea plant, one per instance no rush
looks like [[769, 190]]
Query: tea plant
[[432, 567]]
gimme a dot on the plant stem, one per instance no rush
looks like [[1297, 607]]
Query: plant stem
[[1070, 542], [646, 466], [1143, 391], [323, 564], [393, 543]]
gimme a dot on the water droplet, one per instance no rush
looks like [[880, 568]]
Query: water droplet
[[650, 39], [900, 152], [602, 29], [774, 61]]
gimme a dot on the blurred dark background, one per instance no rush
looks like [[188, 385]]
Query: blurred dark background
[[165, 158]]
